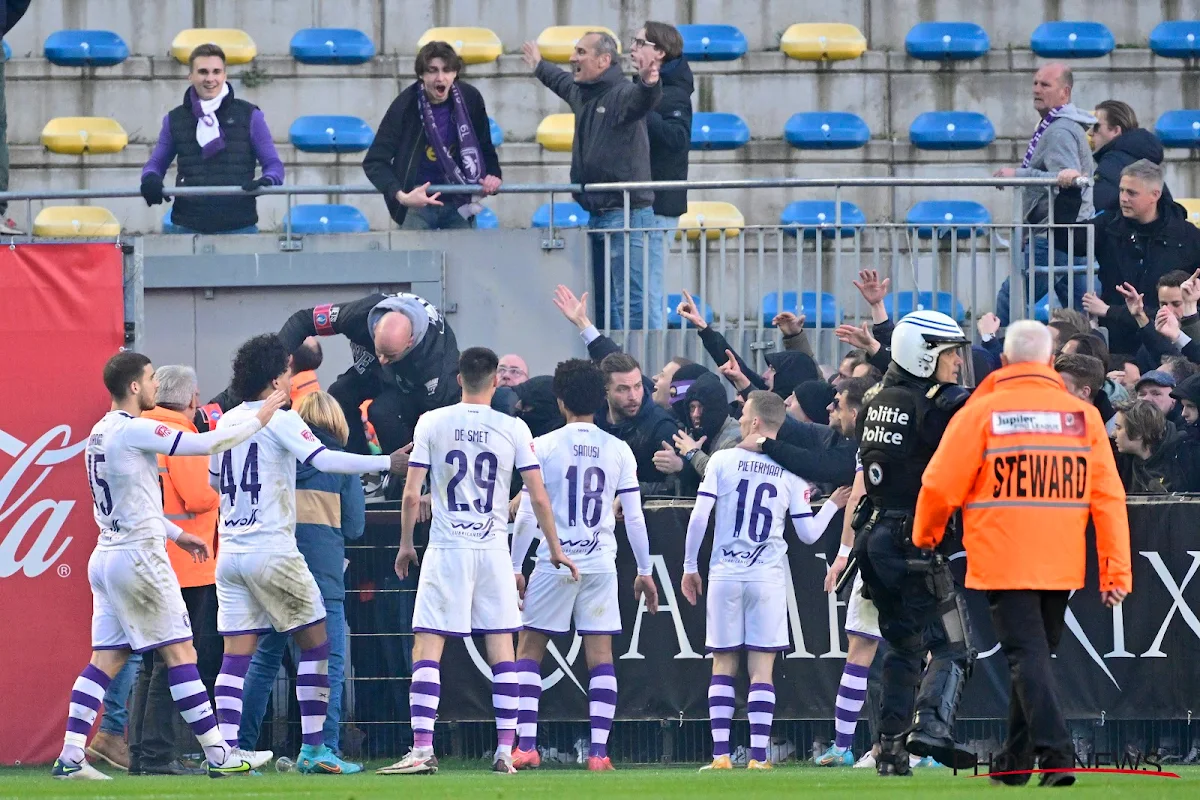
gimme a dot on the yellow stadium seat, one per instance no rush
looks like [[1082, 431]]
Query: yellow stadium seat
[[558, 43], [1192, 204], [817, 41], [557, 132], [90, 222], [473, 45], [713, 217], [238, 46], [77, 135]]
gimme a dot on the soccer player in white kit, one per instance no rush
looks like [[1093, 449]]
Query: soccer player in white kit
[[747, 590], [585, 470], [263, 582], [136, 602], [466, 587]]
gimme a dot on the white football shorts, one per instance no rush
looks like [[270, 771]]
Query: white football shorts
[[746, 615], [136, 602], [862, 618], [553, 601], [464, 591], [264, 592]]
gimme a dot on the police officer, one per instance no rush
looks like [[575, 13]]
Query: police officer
[[899, 429]]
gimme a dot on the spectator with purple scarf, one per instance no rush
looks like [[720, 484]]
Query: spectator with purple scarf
[[219, 141], [435, 133]]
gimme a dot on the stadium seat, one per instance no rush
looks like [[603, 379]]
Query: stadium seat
[[946, 41], [168, 224], [826, 130], [567, 214], [238, 46], [557, 132], [76, 222], [676, 321], [899, 304], [78, 135], [557, 43], [1180, 128], [716, 131], [712, 42], [486, 220], [332, 46], [948, 217], [823, 41], [1072, 39], [951, 130], [1192, 206], [85, 49], [325, 218], [822, 309], [7, 50], [330, 134], [473, 45], [714, 218], [496, 131], [1176, 39], [811, 215]]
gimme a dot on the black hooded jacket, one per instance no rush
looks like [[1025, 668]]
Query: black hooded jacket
[[791, 369], [1130, 146], [1174, 466], [670, 130], [709, 392], [539, 407]]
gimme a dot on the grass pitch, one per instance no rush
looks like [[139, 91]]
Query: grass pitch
[[643, 783]]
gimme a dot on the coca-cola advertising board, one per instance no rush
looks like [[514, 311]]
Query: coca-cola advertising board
[[62, 317]]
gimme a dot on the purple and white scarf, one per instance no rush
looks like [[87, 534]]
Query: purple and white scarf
[[1037, 134], [469, 152], [209, 135]]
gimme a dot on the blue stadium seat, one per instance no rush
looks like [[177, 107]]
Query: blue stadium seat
[[676, 321], [947, 41], [712, 42], [332, 46], [84, 49], [716, 131], [824, 310], [487, 220], [1179, 128], [497, 132], [168, 224], [321, 133], [951, 130], [323, 218], [813, 214], [900, 303], [826, 130], [1176, 39], [948, 217], [567, 214], [7, 50], [1072, 39]]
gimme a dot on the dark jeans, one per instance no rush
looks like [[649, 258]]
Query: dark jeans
[[908, 621], [392, 413], [1029, 625], [1064, 292]]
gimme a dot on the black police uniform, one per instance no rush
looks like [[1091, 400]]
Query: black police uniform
[[899, 429]]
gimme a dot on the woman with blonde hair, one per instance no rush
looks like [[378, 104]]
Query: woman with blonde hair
[[329, 510]]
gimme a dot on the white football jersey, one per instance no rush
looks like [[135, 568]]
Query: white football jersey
[[122, 468], [585, 469], [257, 481], [470, 451], [753, 495]]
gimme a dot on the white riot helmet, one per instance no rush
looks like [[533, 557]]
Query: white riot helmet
[[920, 337]]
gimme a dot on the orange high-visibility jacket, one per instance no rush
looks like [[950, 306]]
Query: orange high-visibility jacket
[[304, 383], [1027, 462], [188, 501]]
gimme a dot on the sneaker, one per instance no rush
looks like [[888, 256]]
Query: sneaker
[[866, 762], [234, 765], [720, 762], [109, 748], [598, 764], [323, 761], [927, 761], [753, 764], [526, 759], [255, 758], [835, 757], [9, 228], [412, 764], [76, 772], [504, 765]]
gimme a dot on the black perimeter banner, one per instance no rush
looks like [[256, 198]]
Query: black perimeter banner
[[1139, 661]]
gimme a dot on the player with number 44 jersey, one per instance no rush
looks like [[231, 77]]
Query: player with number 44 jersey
[[585, 470], [748, 573]]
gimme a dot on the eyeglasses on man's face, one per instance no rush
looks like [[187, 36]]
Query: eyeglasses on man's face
[[637, 42]]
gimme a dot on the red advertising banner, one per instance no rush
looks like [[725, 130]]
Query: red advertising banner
[[62, 318]]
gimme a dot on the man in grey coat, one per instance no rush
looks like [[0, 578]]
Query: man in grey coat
[[611, 144], [1058, 143]]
